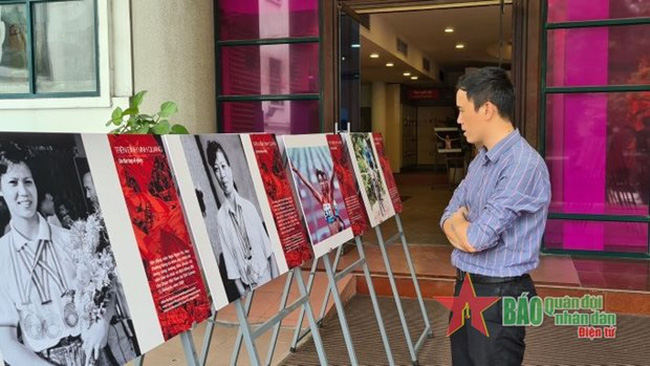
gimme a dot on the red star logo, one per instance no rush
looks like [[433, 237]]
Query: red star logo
[[464, 304]]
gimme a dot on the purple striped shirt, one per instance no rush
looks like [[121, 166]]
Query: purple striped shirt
[[507, 192]]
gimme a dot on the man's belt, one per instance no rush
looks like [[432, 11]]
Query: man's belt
[[460, 276]]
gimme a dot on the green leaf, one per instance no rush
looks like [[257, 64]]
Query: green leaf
[[142, 130], [146, 117], [179, 130], [116, 118], [162, 128], [117, 113], [131, 111], [109, 123], [136, 100], [167, 109]]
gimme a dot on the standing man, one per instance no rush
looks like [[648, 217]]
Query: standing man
[[496, 217]]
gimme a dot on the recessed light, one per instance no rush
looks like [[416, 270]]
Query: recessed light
[[460, 46], [407, 74], [343, 58], [414, 77], [449, 30], [390, 64], [355, 45], [374, 55]]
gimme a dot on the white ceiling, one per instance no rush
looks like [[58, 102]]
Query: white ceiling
[[476, 27], [374, 69]]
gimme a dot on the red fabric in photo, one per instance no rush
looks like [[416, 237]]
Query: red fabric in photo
[[292, 232], [156, 215], [348, 184]]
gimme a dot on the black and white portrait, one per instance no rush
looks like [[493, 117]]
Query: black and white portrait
[[232, 214], [61, 301]]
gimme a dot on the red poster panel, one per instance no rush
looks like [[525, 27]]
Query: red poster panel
[[292, 232], [348, 184], [163, 240], [388, 173]]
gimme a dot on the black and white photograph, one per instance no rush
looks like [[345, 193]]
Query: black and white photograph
[[61, 297], [231, 211]]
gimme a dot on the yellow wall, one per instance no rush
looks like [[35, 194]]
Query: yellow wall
[[173, 58]]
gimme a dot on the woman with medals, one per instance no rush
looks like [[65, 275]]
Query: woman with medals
[[39, 322]]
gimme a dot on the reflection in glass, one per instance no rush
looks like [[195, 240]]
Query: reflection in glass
[[284, 117], [578, 10], [64, 47], [270, 69], [597, 152], [253, 19], [625, 237], [598, 56], [14, 75]]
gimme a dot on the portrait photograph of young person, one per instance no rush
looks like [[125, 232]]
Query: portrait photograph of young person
[[231, 211]]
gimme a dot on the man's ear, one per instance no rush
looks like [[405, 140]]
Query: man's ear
[[490, 111]]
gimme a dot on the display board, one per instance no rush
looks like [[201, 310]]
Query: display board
[[388, 172], [161, 232], [369, 176], [348, 183], [242, 227], [318, 190], [67, 252]]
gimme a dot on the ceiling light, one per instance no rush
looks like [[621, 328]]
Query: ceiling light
[[390, 64], [449, 30], [343, 58], [460, 46], [414, 77], [407, 74], [355, 45], [374, 55]]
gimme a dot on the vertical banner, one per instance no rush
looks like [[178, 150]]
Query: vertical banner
[[348, 183], [61, 291], [270, 170], [388, 172], [370, 177], [318, 190], [162, 236]]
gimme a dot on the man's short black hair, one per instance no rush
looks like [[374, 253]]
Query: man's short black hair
[[489, 84]]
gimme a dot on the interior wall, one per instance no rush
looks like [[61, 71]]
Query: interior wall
[[173, 58], [393, 135], [428, 118]]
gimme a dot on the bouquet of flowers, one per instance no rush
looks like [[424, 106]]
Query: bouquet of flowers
[[94, 266]]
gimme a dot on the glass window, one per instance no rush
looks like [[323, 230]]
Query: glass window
[[626, 237], [64, 47], [259, 19], [598, 153], [579, 10], [287, 117], [270, 69], [598, 56], [14, 74], [62, 42]]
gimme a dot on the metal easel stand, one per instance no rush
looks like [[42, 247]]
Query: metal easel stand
[[428, 331], [188, 347], [249, 335], [333, 278]]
